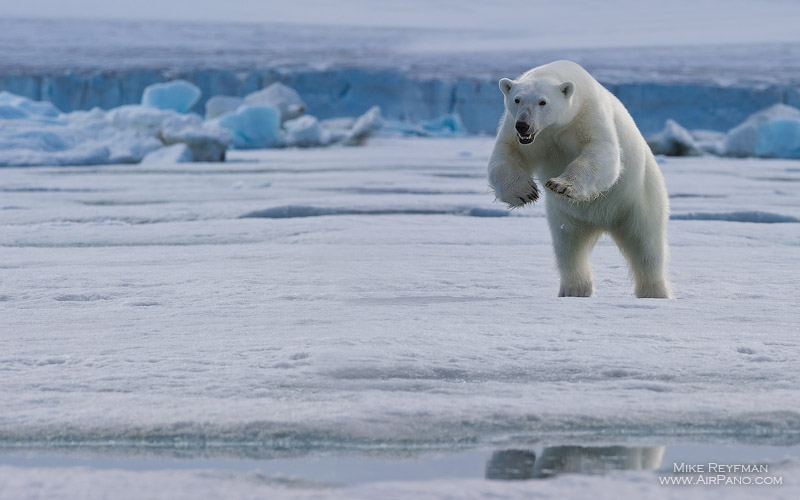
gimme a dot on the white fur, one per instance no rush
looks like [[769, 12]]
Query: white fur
[[601, 174]]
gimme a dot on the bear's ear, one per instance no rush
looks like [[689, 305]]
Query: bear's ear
[[567, 88], [505, 85]]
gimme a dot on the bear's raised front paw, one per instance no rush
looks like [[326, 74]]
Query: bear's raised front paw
[[567, 189], [520, 195]]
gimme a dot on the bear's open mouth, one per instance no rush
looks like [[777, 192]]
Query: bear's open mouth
[[525, 139]]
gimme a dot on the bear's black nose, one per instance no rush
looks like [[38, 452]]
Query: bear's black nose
[[522, 127]]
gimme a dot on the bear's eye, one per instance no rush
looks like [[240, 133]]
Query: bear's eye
[[542, 103], [516, 100]]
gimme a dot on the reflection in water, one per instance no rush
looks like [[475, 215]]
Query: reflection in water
[[553, 460], [511, 464]]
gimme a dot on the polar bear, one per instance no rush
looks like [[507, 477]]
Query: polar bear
[[560, 124]]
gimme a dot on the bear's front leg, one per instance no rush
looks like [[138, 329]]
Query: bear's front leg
[[594, 171], [510, 182]]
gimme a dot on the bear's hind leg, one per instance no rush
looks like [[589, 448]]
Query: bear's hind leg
[[646, 252], [573, 242]]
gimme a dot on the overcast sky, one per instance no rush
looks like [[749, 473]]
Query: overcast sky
[[660, 22]]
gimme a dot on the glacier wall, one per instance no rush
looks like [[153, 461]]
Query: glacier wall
[[352, 91]]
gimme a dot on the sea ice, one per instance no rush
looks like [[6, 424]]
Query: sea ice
[[272, 331], [177, 95]]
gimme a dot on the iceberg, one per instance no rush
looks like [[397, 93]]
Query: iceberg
[[254, 127], [338, 129], [709, 141], [773, 132], [177, 95], [278, 95], [129, 146], [22, 155], [305, 131], [778, 139], [207, 142], [363, 127], [33, 133], [221, 105], [146, 119], [741, 140], [674, 140], [308, 131], [14, 107]]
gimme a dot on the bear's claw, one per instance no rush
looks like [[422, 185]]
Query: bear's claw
[[566, 188], [534, 194], [514, 197]]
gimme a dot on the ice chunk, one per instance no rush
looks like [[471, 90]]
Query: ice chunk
[[352, 131], [741, 140], [221, 105], [208, 142], [278, 95], [254, 127], [177, 153], [24, 134], [338, 128], [82, 154], [45, 141], [177, 95], [306, 131], [363, 127], [149, 120], [39, 135], [779, 139], [709, 141], [674, 140], [130, 146], [14, 107], [11, 112]]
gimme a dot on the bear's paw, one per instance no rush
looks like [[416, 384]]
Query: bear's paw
[[520, 194], [569, 189]]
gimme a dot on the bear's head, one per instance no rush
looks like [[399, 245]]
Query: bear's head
[[537, 103]]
